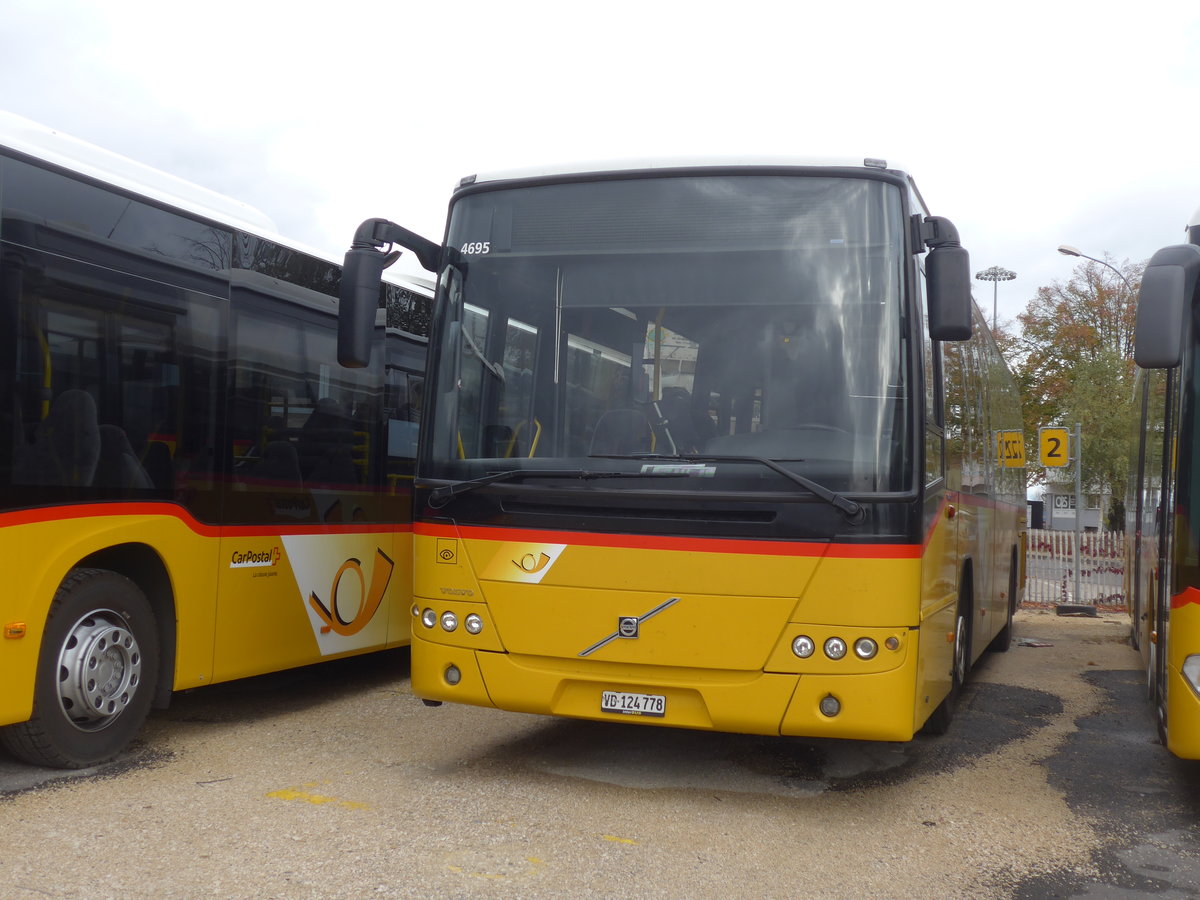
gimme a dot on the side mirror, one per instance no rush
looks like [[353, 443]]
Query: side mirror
[[948, 279], [1168, 285], [358, 299], [362, 274]]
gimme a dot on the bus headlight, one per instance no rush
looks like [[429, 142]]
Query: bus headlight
[[452, 675], [1191, 672], [830, 706], [428, 618], [865, 648], [835, 648], [473, 624], [803, 646], [449, 621]]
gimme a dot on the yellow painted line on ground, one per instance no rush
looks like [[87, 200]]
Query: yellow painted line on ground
[[535, 865], [305, 796], [618, 840]]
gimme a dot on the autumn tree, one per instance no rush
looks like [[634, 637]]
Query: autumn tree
[[1073, 359]]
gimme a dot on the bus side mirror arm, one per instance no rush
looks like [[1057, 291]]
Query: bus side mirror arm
[[1168, 285], [948, 279], [374, 233], [362, 276]]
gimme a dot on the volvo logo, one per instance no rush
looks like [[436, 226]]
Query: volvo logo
[[628, 627]]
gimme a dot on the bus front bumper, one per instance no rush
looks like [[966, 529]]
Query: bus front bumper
[[875, 706]]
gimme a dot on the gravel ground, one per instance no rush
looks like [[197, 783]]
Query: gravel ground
[[335, 782]]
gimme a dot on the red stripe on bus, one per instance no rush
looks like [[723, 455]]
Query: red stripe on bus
[[662, 542], [158, 510], [1189, 595]]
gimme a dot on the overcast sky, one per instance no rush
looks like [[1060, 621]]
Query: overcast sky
[[1028, 124]]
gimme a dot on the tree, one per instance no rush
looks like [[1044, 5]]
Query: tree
[[407, 309], [1073, 360]]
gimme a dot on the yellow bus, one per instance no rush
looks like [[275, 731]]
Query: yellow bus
[[707, 445], [191, 489], [1162, 568]]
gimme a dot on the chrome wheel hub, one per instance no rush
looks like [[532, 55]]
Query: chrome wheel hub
[[99, 670]]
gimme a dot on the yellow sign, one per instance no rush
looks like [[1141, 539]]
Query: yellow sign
[[1054, 447], [1010, 449]]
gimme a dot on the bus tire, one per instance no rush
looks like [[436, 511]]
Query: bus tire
[[1152, 674], [96, 674], [1003, 639], [939, 720], [1156, 692]]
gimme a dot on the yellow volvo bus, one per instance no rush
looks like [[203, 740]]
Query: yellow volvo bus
[[1163, 531], [191, 489], [707, 445]]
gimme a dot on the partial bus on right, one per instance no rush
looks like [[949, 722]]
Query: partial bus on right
[[1163, 528]]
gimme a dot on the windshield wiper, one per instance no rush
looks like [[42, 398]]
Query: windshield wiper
[[852, 510], [440, 496]]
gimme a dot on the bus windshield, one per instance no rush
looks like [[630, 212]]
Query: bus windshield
[[709, 317]]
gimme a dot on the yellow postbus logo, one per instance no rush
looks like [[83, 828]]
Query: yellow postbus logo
[[365, 603], [519, 562], [531, 564]]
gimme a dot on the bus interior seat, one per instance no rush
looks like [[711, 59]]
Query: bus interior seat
[[117, 466], [336, 467], [690, 428], [621, 432], [280, 463], [801, 387], [159, 466], [66, 444], [326, 434]]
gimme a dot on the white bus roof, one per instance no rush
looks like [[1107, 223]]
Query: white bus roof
[[32, 139], [48, 145], [635, 165]]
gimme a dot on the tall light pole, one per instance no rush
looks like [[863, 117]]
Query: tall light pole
[[995, 275], [1068, 250]]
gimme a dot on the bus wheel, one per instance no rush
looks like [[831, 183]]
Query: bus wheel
[[1160, 716], [1152, 673], [939, 720], [1003, 639], [1156, 693], [96, 673]]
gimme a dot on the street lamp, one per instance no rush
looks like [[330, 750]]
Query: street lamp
[[1068, 250], [995, 275]]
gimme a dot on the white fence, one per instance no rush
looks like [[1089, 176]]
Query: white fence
[[1050, 569]]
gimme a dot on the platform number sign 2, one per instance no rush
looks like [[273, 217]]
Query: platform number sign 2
[[1055, 447]]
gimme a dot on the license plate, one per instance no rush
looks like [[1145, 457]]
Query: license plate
[[633, 704]]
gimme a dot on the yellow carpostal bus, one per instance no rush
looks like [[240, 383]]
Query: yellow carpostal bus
[[707, 445], [191, 489], [1163, 533]]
